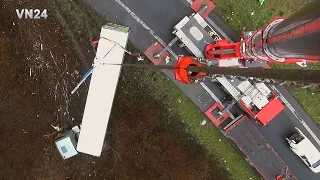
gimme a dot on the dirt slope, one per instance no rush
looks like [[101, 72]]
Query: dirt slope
[[41, 61]]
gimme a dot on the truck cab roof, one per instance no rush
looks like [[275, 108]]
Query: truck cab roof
[[304, 148]]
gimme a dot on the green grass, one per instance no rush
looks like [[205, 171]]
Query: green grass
[[165, 90], [237, 13], [308, 99], [208, 136], [310, 102]]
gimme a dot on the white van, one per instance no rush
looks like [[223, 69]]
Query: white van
[[307, 152]]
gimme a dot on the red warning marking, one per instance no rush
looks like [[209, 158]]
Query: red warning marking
[[220, 119], [198, 4], [266, 66], [154, 49]]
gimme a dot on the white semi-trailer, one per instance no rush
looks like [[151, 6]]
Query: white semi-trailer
[[103, 84]]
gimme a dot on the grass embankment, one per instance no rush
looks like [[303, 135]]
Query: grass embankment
[[238, 14], [208, 136], [180, 106]]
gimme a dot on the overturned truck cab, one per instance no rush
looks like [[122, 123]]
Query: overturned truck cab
[[306, 151]]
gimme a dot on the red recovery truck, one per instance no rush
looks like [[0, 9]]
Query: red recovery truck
[[292, 40]]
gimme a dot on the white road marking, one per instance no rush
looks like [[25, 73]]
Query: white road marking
[[218, 29], [146, 27], [296, 115], [205, 87], [225, 36], [273, 87]]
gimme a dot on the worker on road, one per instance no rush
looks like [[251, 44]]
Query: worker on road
[[167, 59]]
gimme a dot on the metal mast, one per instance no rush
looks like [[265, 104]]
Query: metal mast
[[282, 40]]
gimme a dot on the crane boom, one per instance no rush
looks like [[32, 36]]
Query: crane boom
[[280, 41], [291, 40]]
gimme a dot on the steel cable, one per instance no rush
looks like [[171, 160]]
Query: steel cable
[[295, 75]]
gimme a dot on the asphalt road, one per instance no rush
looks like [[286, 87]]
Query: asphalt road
[[283, 126], [153, 19]]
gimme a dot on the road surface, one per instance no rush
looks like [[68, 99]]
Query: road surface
[[153, 20]]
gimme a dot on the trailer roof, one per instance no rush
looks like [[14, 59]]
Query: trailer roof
[[257, 150], [102, 89]]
